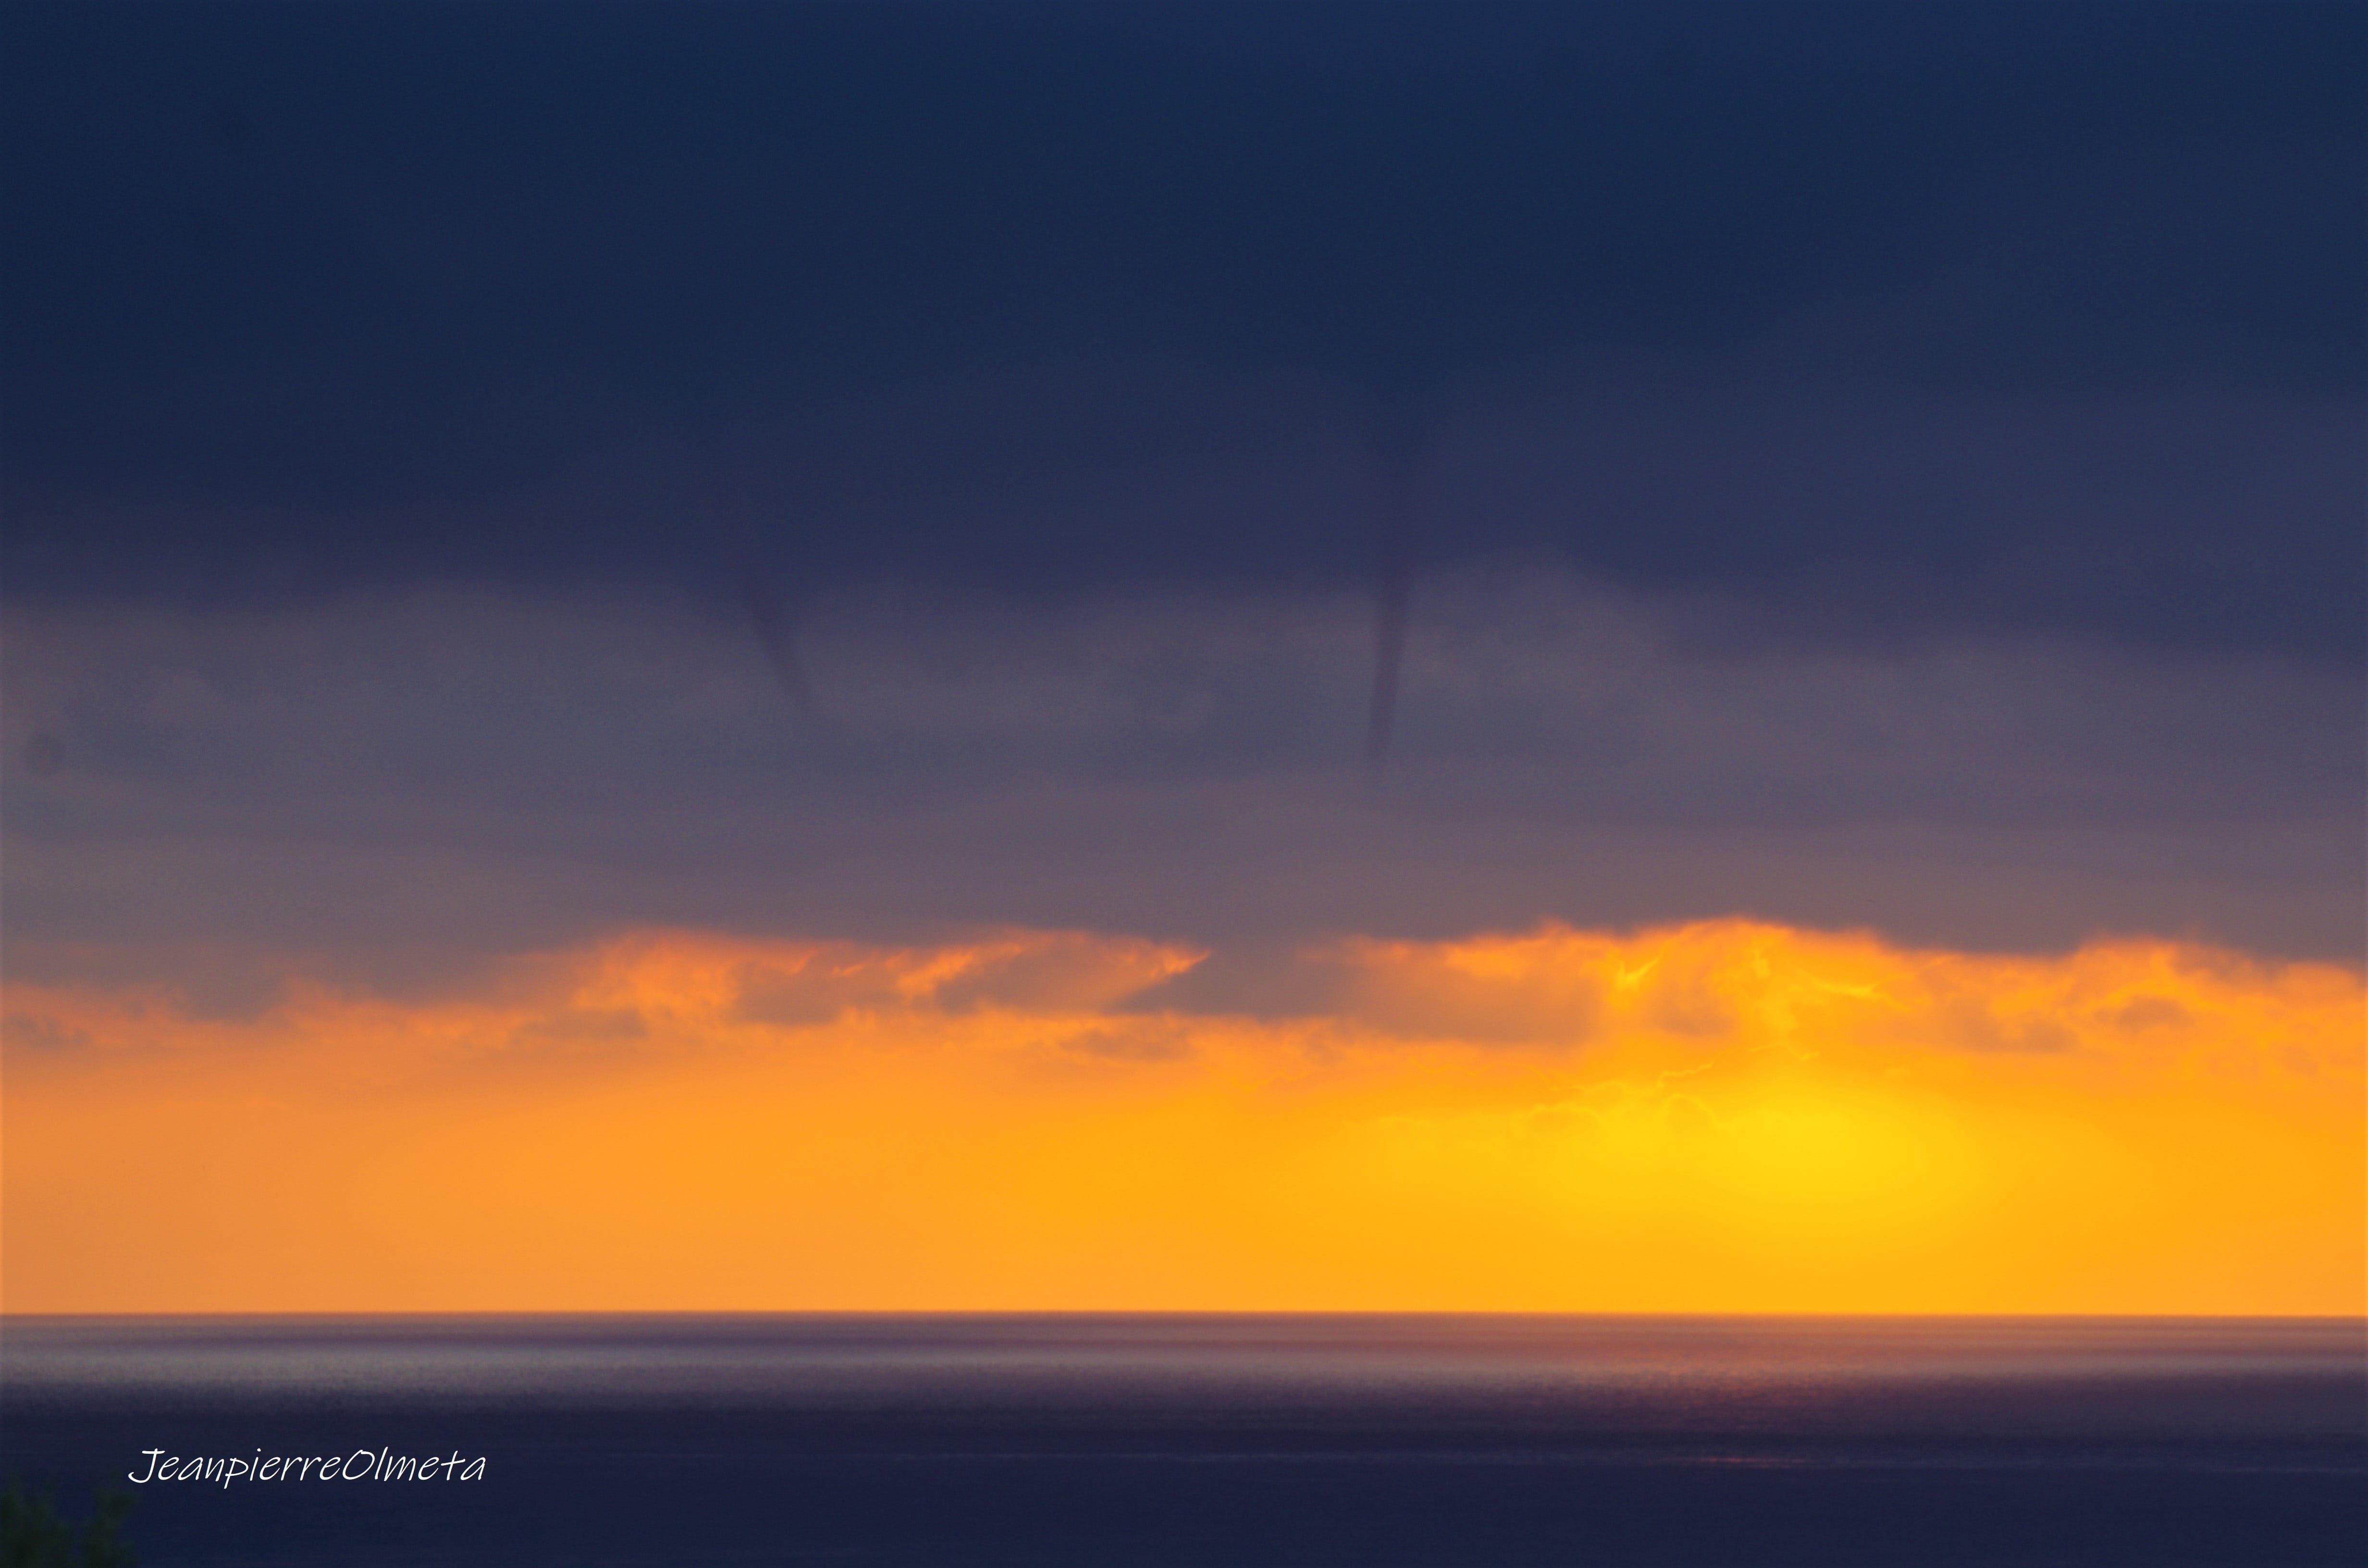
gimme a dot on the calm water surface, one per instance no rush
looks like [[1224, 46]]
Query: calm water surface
[[1217, 1440]]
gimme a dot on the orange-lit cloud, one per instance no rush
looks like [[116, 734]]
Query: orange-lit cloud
[[1718, 1117]]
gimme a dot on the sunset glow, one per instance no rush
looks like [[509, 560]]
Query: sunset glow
[[1723, 1116]]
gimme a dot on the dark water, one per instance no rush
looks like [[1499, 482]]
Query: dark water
[[1218, 1440]]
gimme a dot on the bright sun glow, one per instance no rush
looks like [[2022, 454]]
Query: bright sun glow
[[1718, 1117]]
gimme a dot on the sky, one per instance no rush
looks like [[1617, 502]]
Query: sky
[[627, 610]]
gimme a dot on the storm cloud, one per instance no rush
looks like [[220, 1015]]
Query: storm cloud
[[384, 780], [480, 478], [1874, 317]]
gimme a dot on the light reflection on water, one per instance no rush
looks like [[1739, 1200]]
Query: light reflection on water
[[2166, 1375], [1248, 1441]]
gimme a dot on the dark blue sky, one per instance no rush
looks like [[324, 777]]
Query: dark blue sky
[[306, 299]]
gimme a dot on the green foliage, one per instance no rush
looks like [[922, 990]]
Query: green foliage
[[33, 1536]]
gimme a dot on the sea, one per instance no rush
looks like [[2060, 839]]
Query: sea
[[1224, 1441]]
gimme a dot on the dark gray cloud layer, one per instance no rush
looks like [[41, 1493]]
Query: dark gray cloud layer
[[1865, 320], [390, 786]]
